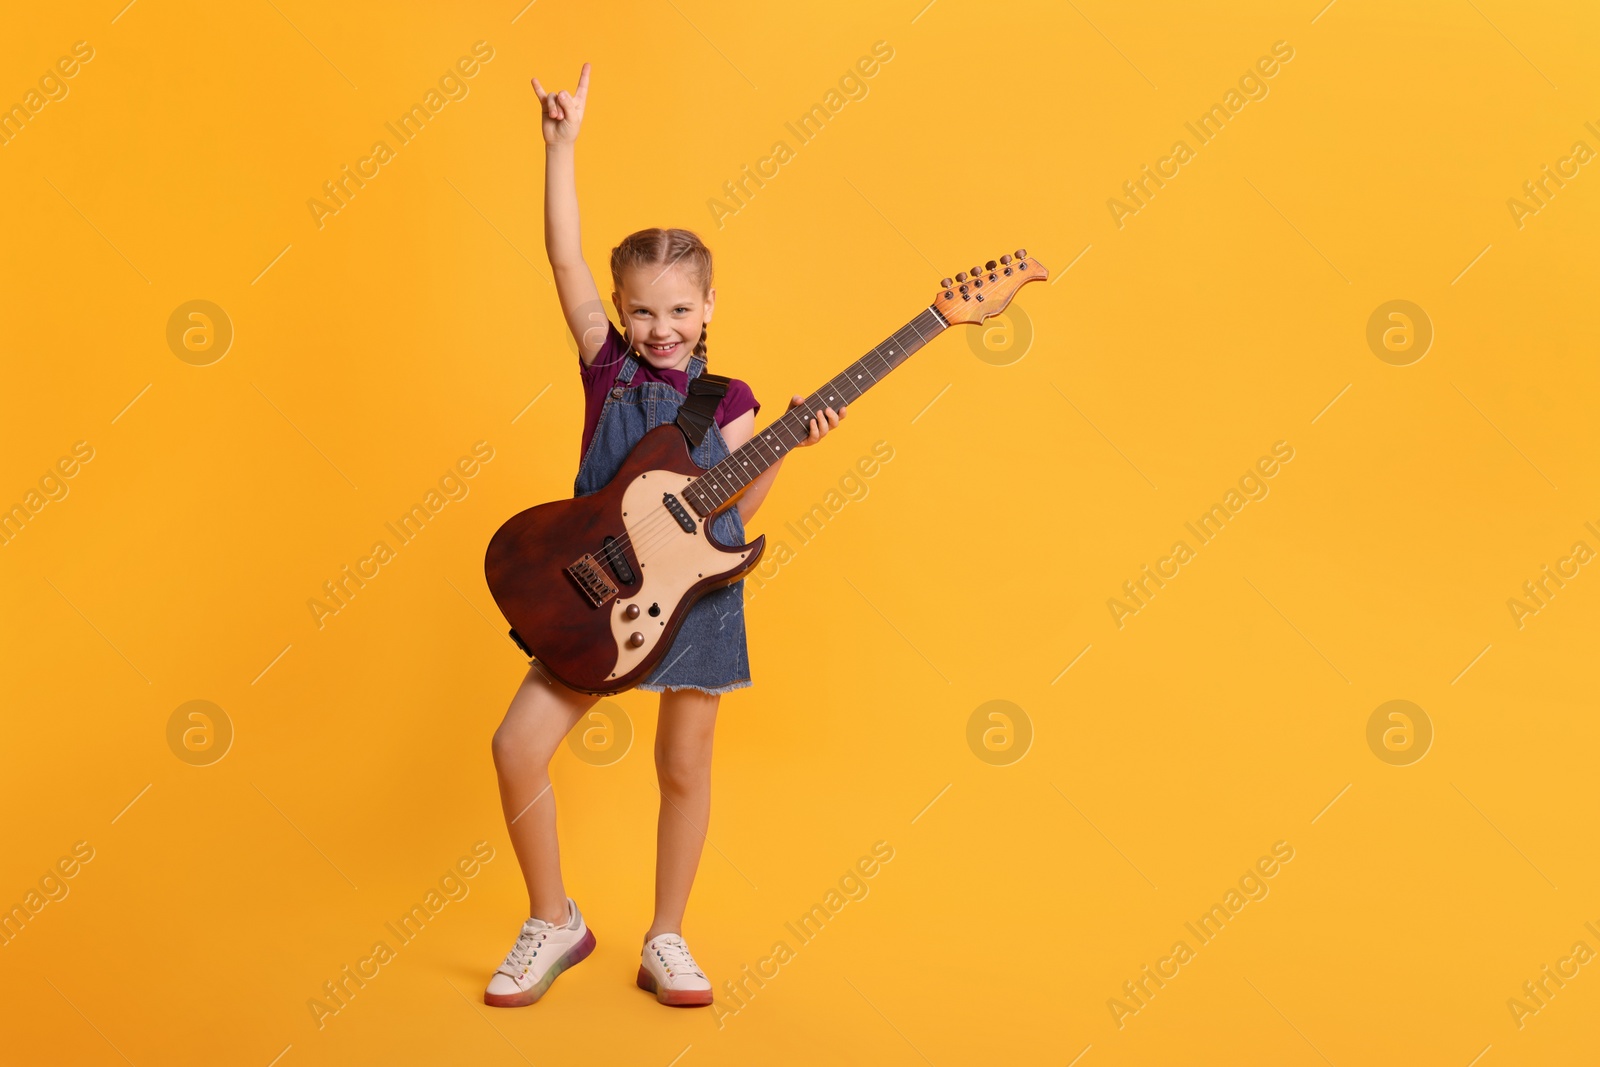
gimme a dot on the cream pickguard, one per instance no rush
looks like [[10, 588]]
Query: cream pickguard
[[672, 561]]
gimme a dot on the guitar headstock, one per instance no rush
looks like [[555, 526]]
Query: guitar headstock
[[977, 294]]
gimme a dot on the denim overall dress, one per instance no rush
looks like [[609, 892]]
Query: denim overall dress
[[709, 652]]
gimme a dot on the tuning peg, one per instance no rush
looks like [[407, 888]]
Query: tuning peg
[[976, 271], [944, 283], [961, 276], [1005, 259], [1022, 253], [989, 265]]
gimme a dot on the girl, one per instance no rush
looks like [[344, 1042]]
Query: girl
[[633, 382]]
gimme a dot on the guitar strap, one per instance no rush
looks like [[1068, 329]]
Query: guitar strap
[[697, 412]]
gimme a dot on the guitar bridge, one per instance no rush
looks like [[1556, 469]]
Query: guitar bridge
[[592, 580]]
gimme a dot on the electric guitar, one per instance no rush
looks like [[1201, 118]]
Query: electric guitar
[[596, 587]]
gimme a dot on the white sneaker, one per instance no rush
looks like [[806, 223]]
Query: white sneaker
[[667, 970], [543, 950]]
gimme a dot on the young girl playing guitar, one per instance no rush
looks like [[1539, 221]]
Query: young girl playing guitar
[[634, 380]]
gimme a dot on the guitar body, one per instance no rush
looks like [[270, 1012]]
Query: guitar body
[[597, 587]]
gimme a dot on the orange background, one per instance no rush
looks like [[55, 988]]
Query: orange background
[[1041, 859]]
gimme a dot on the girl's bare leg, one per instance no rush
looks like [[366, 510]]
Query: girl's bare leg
[[683, 772], [539, 717]]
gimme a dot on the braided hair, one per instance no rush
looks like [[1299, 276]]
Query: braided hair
[[664, 248]]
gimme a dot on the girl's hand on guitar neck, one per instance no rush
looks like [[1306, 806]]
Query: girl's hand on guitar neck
[[822, 422], [563, 111]]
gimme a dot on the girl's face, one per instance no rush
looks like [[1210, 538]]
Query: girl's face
[[664, 311]]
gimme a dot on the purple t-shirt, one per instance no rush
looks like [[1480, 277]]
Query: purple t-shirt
[[601, 375]]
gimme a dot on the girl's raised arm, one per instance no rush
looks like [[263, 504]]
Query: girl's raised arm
[[580, 298]]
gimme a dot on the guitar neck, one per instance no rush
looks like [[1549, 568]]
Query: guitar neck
[[707, 493]]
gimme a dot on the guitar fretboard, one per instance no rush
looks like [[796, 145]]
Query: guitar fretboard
[[716, 486]]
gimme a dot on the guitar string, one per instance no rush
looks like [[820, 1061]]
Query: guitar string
[[644, 538], [657, 532], [661, 530], [613, 552], [650, 532]]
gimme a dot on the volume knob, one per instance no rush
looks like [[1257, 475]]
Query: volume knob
[[635, 639], [632, 612]]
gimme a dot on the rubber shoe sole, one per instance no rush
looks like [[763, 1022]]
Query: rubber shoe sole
[[675, 998], [576, 954]]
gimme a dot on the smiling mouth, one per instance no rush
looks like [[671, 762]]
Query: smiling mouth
[[664, 350]]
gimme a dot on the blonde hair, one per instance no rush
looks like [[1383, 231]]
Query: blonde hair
[[658, 247]]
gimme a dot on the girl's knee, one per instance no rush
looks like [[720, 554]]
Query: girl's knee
[[682, 780], [504, 744], [514, 745], [681, 772], [684, 739], [539, 717]]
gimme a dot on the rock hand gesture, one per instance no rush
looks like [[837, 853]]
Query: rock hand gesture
[[563, 111]]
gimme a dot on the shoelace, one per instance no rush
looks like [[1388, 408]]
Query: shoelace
[[675, 955], [527, 947]]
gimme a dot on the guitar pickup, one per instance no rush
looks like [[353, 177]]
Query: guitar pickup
[[592, 580], [619, 561], [677, 510]]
